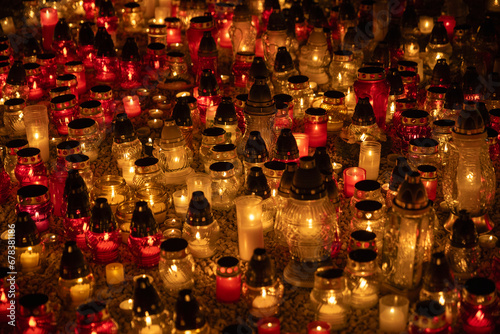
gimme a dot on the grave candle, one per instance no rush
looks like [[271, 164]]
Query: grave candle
[[269, 325], [318, 327], [369, 158], [250, 232], [426, 24], [132, 106], [352, 176], [302, 140], [48, 19], [181, 202], [114, 274], [393, 313], [228, 281]]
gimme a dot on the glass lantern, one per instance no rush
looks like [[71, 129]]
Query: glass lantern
[[13, 117], [29, 249], [126, 146], [35, 200], [30, 168], [149, 313], [198, 25], [369, 216], [227, 153], [439, 47], [276, 36], [133, 19], [225, 185], [104, 94], [94, 317], [363, 276], [334, 104], [242, 32], [63, 111], [284, 68], [371, 83], [113, 188], [228, 280], [86, 132], [176, 265], [424, 151], [315, 57], [86, 50], [36, 314], [479, 302]]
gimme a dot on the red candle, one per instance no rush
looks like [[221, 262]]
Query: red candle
[[259, 49], [132, 106], [315, 126], [48, 20], [269, 325], [428, 175], [449, 24], [352, 176], [318, 327], [173, 25], [302, 143], [228, 281]]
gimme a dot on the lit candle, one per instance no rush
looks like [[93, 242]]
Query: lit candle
[[114, 273], [80, 293], [334, 314], [350, 100], [127, 306], [160, 14], [393, 313], [36, 122], [29, 260], [337, 168], [181, 202], [132, 106], [269, 325], [48, 19], [318, 327], [488, 241], [302, 140], [352, 176], [426, 24], [151, 329], [265, 305], [369, 158], [449, 24], [128, 172], [115, 199], [8, 26], [250, 231]]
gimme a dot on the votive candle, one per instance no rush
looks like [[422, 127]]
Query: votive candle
[[369, 158], [426, 24], [132, 106], [270, 325], [114, 273], [393, 313], [250, 231], [302, 140], [318, 327], [181, 202], [352, 175], [228, 281]]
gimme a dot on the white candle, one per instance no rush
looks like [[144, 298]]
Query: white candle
[[250, 231], [199, 247], [160, 14], [369, 158], [426, 24], [114, 273], [181, 202], [128, 172], [79, 293], [392, 319], [151, 329], [127, 305], [264, 306], [115, 198], [8, 25], [36, 122], [334, 314], [29, 260], [132, 106]]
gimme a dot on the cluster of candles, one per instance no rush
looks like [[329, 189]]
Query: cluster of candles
[[289, 91]]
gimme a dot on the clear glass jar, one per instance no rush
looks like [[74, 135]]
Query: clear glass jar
[[81, 162], [225, 185], [177, 69], [372, 83], [209, 138], [92, 109], [366, 190], [227, 119], [410, 82], [198, 25], [226, 153], [334, 104], [283, 69], [13, 117], [171, 150], [439, 47], [273, 170], [363, 278], [441, 132], [330, 297], [424, 151], [78, 69], [63, 111], [157, 198], [362, 239], [86, 132], [479, 306], [434, 102], [342, 70], [35, 199], [155, 61], [113, 188], [30, 168], [242, 32], [157, 33], [299, 89], [176, 265], [133, 19], [126, 146], [104, 94], [148, 174], [282, 119], [369, 216]]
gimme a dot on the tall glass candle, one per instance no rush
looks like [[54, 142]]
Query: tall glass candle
[[36, 122], [48, 19], [316, 126], [369, 158], [250, 232], [352, 175]]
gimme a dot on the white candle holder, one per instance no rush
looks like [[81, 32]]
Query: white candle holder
[[393, 313], [250, 231]]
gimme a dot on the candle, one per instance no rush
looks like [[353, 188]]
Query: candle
[[199, 182], [29, 260], [127, 306], [160, 14], [114, 273], [488, 241], [316, 126], [250, 231], [132, 106], [48, 19], [393, 313], [318, 327], [350, 100], [265, 305], [302, 140], [228, 281], [334, 314], [269, 325], [128, 172], [449, 24], [369, 158], [352, 176], [426, 24], [337, 168], [181, 202], [80, 293], [125, 230], [8, 26], [115, 199]]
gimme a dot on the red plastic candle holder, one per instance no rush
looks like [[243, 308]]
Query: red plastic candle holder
[[35, 200], [104, 94], [352, 175], [48, 69], [146, 250], [228, 281], [270, 325], [63, 110], [371, 83], [30, 168], [104, 246], [48, 20], [318, 327], [315, 126]]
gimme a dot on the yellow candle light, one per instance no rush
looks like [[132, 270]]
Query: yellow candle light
[[29, 260], [426, 24], [114, 273], [181, 202]]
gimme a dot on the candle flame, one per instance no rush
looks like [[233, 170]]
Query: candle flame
[[251, 217], [363, 137], [32, 322], [148, 321], [441, 300], [332, 300], [197, 236], [174, 268], [3, 297], [106, 236]]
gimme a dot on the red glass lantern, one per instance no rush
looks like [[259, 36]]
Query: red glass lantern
[[228, 280], [194, 34], [240, 70], [371, 83], [106, 63], [157, 33], [410, 82], [155, 61], [414, 124], [48, 20], [68, 80], [63, 46], [78, 70], [130, 65], [77, 213], [173, 26], [145, 237], [107, 18], [86, 50], [208, 98], [35, 315], [429, 318], [479, 305], [207, 56], [35, 200], [34, 79], [4, 184], [63, 111], [104, 94], [494, 147], [224, 14], [94, 318], [103, 236], [409, 65], [30, 168], [402, 105], [428, 176], [48, 69], [315, 126]]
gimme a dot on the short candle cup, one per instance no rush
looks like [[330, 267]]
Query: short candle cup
[[318, 327], [181, 202], [36, 121], [228, 280], [393, 313], [269, 325], [352, 175], [369, 158], [132, 106], [114, 273]]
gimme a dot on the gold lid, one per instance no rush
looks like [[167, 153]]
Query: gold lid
[[67, 80], [74, 66], [101, 92], [58, 91], [33, 194], [77, 161], [371, 74], [82, 127], [28, 156]]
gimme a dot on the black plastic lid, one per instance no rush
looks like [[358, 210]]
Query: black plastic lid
[[223, 147], [17, 74], [99, 36], [16, 143], [32, 190], [237, 329], [276, 20], [73, 264], [33, 301], [283, 61], [106, 47], [28, 152], [471, 82], [439, 35], [199, 212], [188, 314], [330, 273], [363, 255], [286, 146], [444, 123], [481, 107], [283, 98], [143, 223], [261, 271], [255, 148], [367, 185], [409, 20], [323, 161], [438, 276], [174, 245], [480, 286], [182, 112], [347, 11], [208, 84], [103, 219], [14, 102], [130, 50], [61, 31], [26, 232], [395, 82], [208, 47], [147, 302], [78, 204], [226, 113], [470, 121], [86, 34], [454, 97], [363, 113], [441, 74], [429, 308], [258, 68], [260, 101], [106, 8], [221, 166], [214, 132], [307, 181], [399, 173], [124, 130], [257, 183], [363, 235], [368, 205], [464, 233], [74, 183]]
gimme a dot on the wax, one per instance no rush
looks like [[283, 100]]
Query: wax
[[181, 202], [302, 143], [265, 306], [318, 327], [269, 326], [369, 158], [114, 273], [352, 176], [80, 293]]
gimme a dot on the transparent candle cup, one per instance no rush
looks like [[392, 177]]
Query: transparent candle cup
[[36, 121]]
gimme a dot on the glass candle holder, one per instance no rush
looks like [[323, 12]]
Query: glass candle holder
[[10, 160], [479, 300], [113, 188], [300, 90], [104, 94], [352, 175], [85, 131], [315, 126], [63, 111], [363, 278], [35, 200], [363, 239], [434, 101], [250, 231], [81, 163], [318, 327], [429, 178], [48, 20], [35, 314], [224, 153], [13, 117], [414, 124], [181, 202], [370, 216], [92, 109], [240, 70], [225, 185], [132, 106], [428, 317], [34, 78], [123, 217], [441, 132], [393, 313], [155, 61], [176, 265], [302, 143], [369, 158], [334, 104], [133, 18], [228, 280], [367, 190], [78, 70], [371, 83], [30, 168], [68, 80], [273, 170], [114, 273], [36, 122], [173, 27], [29, 249], [198, 25]]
